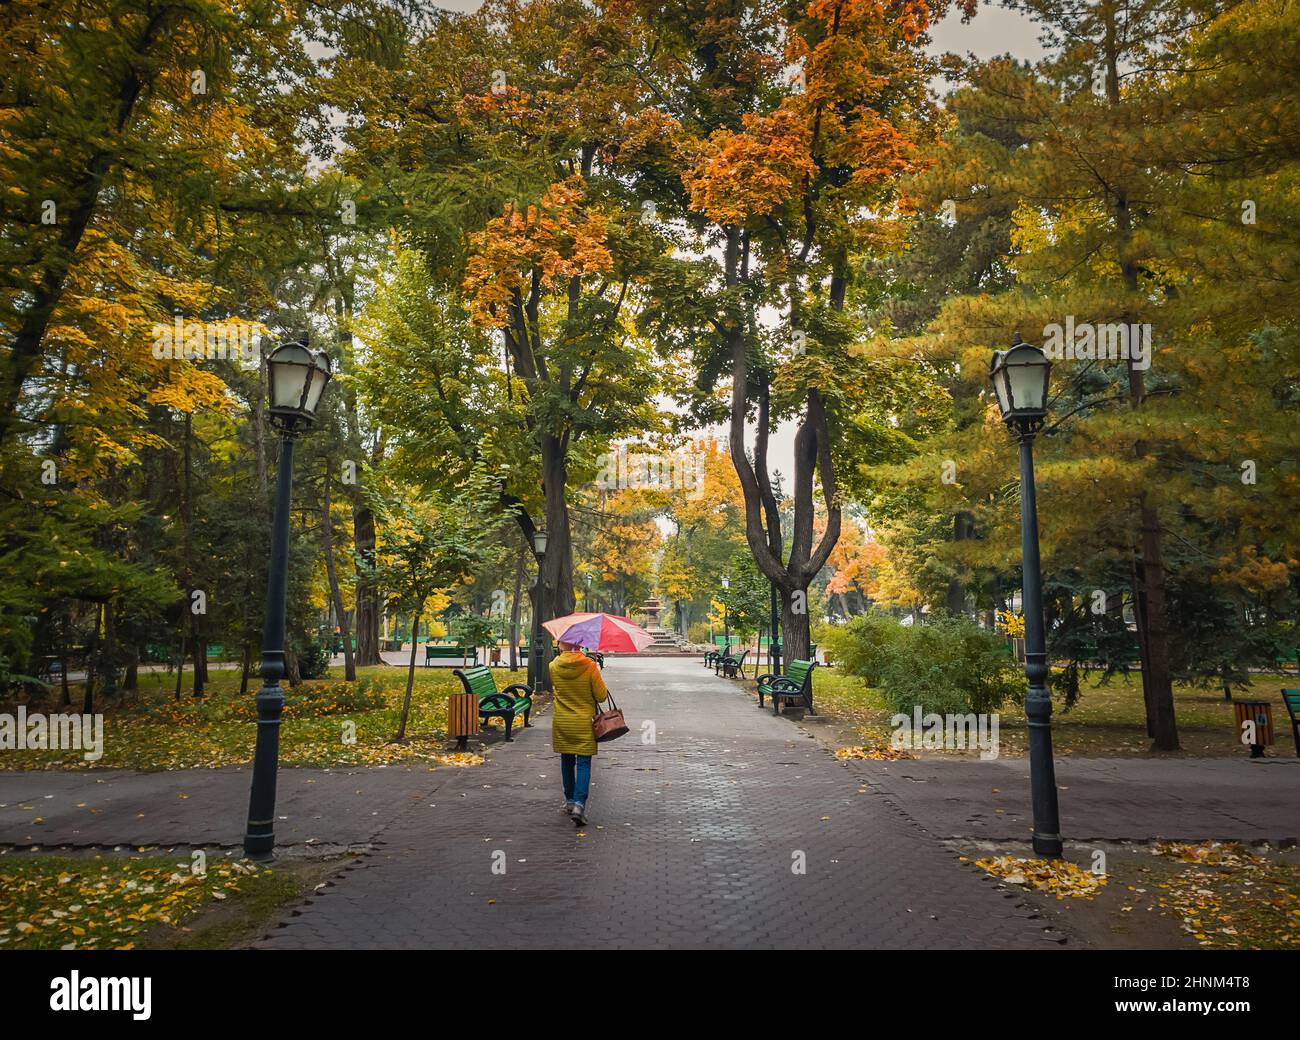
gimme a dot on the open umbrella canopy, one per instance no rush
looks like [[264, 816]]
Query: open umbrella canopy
[[607, 632]]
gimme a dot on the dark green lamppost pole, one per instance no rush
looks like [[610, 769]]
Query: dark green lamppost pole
[[726, 626], [297, 380], [774, 655], [539, 655], [1020, 377]]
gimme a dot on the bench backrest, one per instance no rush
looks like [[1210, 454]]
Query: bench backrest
[[799, 671], [740, 656], [1292, 700], [478, 681]]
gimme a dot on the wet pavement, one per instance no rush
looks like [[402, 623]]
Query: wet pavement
[[712, 824]]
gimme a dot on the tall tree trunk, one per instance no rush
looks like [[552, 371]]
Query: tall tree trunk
[[246, 669], [560, 599], [336, 597], [180, 663], [108, 662], [132, 681], [410, 677], [367, 596], [187, 523], [1150, 605], [63, 658], [1156, 679], [92, 658], [812, 455]]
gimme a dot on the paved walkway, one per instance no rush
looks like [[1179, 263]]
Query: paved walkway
[[1103, 799], [691, 843], [204, 806]]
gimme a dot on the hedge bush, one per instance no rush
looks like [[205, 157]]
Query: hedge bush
[[947, 665]]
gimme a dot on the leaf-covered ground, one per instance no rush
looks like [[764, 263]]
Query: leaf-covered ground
[[1107, 720], [327, 722], [106, 903], [1217, 895], [1231, 897], [1059, 877]]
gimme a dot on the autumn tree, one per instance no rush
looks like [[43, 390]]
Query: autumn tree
[[777, 136]]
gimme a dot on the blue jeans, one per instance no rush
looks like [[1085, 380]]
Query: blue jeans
[[576, 786]]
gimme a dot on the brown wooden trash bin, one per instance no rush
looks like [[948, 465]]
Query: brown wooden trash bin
[[462, 717], [1261, 714]]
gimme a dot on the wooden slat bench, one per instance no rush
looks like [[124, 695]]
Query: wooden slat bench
[[1291, 698], [794, 687], [445, 653], [515, 699]]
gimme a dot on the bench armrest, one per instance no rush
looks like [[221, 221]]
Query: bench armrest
[[784, 684], [527, 690]]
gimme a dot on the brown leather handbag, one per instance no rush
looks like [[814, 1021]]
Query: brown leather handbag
[[609, 725]]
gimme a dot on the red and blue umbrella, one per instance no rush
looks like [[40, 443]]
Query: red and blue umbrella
[[605, 632]]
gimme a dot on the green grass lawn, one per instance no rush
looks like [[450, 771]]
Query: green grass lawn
[[1107, 719], [148, 729], [107, 902]]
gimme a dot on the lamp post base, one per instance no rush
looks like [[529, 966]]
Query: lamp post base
[[259, 836], [1048, 845], [260, 848]]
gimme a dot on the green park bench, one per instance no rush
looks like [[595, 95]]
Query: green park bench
[[1290, 660], [733, 664], [795, 686], [494, 703], [444, 653], [1291, 698], [711, 657]]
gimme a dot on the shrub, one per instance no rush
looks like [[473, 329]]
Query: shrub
[[474, 630], [313, 661], [948, 665], [864, 645], [313, 700]]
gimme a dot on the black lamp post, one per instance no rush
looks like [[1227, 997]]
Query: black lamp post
[[1020, 378], [726, 628], [538, 656], [297, 380], [774, 656]]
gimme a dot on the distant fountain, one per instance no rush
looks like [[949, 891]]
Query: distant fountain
[[664, 641]]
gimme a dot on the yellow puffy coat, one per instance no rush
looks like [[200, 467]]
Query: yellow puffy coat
[[578, 689]]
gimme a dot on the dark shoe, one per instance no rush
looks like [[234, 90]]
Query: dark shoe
[[579, 814]]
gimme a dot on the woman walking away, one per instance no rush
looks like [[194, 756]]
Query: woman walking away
[[578, 689]]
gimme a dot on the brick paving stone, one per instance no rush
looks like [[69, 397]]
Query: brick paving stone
[[690, 844], [203, 806], [1179, 799]]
